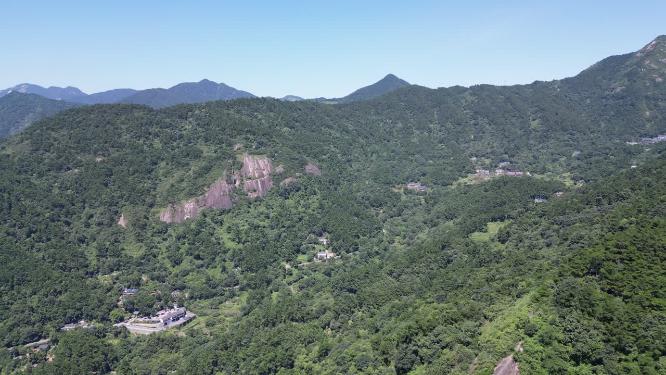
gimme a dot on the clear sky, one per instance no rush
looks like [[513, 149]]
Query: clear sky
[[313, 48]]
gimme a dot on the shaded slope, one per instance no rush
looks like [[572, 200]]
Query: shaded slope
[[18, 111]]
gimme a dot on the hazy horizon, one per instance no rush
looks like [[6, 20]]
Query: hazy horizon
[[312, 50]]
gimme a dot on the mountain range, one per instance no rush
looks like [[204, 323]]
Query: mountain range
[[69, 94], [26, 110], [184, 93], [188, 92], [464, 230]]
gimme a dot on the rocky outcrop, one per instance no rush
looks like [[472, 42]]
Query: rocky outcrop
[[254, 178], [258, 187], [256, 175], [256, 166], [507, 366], [312, 169], [180, 212], [122, 221], [288, 181], [218, 195]]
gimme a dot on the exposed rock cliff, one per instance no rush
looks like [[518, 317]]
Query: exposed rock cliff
[[122, 221], [507, 366], [256, 166], [288, 181], [180, 212], [258, 187], [218, 195], [254, 178], [256, 175], [312, 169]]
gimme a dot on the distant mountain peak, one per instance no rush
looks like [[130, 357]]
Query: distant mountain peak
[[389, 83], [391, 76], [392, 79]]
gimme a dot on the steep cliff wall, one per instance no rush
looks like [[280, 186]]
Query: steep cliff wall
[[507, 366], [256, 175], [180, 212], [218, 195], [256, 166], [254, 178]]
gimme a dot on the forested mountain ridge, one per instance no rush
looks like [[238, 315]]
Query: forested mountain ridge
[[188, 92], [18, 111], [641, 70], [560, 268], [23, 104]]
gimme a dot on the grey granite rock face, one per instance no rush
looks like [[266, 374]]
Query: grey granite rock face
[[254, 178]]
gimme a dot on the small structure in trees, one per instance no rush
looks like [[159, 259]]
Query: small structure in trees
[[417, 186], [73, 326], [324, 256]]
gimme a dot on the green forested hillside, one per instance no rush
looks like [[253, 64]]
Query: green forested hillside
[[563, 268], [17, 111]]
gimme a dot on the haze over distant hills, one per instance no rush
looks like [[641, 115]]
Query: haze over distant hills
[[185, 93], [615, 74], [17, 111], [23, 104], [70, 94], [188, 92], [23, 108], [105, 97]]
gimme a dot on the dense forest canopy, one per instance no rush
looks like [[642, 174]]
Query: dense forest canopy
[[468, 225]]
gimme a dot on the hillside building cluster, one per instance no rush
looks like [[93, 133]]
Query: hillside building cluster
[[163, 320], [417, 187], [503, 169], [80, 324], [323, 256], [649, 141]]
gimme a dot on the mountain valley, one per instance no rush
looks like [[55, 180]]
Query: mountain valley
[[397, 230]]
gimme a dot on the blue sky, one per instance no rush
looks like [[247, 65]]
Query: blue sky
[[313, 48]]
